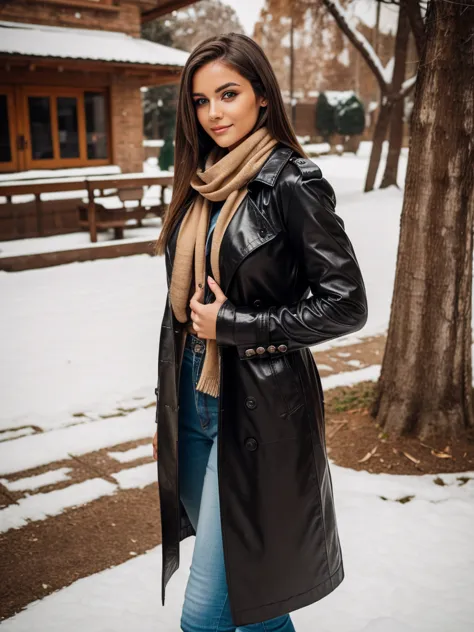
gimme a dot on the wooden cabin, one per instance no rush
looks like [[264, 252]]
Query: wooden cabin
[[70, 78]]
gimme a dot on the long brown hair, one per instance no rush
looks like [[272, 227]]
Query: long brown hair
[[192, 143]]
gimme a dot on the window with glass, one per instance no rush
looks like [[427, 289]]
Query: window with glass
[[67, 127], [52, 127]]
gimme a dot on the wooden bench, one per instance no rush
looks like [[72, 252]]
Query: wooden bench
[[127, 194]]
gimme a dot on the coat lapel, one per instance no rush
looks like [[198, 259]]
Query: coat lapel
[[248, 228]]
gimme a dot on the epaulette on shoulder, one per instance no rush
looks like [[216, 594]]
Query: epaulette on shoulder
[[307, 167]]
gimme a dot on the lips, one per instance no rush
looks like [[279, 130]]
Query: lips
[[220, 128]]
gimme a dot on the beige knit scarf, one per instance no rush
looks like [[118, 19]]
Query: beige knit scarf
[[225, 176]]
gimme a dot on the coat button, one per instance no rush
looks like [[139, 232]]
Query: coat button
[[271, 349], [250, 352], [251, 402], [262, 232], [198, 348], [251, 444], [260, 350], [282, 348], [257, 302]]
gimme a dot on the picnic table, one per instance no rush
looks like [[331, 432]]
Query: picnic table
[[97, 202], [115, 200]]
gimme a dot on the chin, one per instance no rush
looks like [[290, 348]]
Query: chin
[[228, 142]]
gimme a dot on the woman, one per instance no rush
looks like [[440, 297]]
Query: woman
[[250, 233]]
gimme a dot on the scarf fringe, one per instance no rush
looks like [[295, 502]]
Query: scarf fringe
[[208, 385]]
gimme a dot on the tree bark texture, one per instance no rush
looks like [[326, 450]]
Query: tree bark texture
[[425, 387]]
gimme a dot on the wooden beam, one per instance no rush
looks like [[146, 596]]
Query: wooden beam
[[83, 4], [17, 263], [165, 7]]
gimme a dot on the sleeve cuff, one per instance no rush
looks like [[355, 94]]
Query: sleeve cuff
[[248, 330]]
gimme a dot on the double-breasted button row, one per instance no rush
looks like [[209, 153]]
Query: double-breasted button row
[[271, 349]]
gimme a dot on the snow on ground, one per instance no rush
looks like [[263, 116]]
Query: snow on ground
[[79, 345], [33, 174], [45, 447], [408, 568], [43, 505], [37, 481]]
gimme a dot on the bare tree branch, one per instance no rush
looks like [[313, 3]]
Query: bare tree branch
[[417, 25], [358, 41]]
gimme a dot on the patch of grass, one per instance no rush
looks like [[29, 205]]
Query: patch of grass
[[120, 414], [346, 398], [439, 481], [405, 499], [79, 415], [127, 410], [463, 480]]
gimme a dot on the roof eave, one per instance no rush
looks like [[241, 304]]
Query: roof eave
[[157, 74]]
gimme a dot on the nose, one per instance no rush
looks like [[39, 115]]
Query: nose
[[214, 112]]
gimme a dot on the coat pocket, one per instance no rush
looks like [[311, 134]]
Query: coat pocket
[[288, 385]]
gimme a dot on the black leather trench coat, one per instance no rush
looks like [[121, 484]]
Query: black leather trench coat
[[292, 280]]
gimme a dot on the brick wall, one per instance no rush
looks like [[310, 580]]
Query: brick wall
[[126, 124], [126, 20]]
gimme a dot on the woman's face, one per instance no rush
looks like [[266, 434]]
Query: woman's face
[[225, 100]]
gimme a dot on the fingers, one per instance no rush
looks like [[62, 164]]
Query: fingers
[[195, 303], [219, 294]]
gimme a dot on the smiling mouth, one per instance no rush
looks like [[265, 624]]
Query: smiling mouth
[[220, 129]]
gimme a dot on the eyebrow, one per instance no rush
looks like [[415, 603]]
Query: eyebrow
[[219, 89]]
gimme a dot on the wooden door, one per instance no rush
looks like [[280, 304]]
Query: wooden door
[[8, 130]]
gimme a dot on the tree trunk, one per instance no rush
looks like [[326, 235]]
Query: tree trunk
[[425, 387], [396, 123], [380, 133]]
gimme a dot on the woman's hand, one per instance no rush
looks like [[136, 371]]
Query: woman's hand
[[155, 446], [204, 316]]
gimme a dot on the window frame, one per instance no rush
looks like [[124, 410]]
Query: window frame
[[57, 162]]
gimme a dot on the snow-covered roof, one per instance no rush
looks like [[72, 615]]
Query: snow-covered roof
[[36, 40]]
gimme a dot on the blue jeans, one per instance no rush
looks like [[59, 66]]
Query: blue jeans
[[206, 603]]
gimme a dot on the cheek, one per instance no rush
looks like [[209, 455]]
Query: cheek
[[245, 108], [200, 115]]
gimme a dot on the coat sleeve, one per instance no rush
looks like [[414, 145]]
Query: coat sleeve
[[338, 304]]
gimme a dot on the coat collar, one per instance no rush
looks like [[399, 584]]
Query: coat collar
[[267, 175], [272, 167]]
